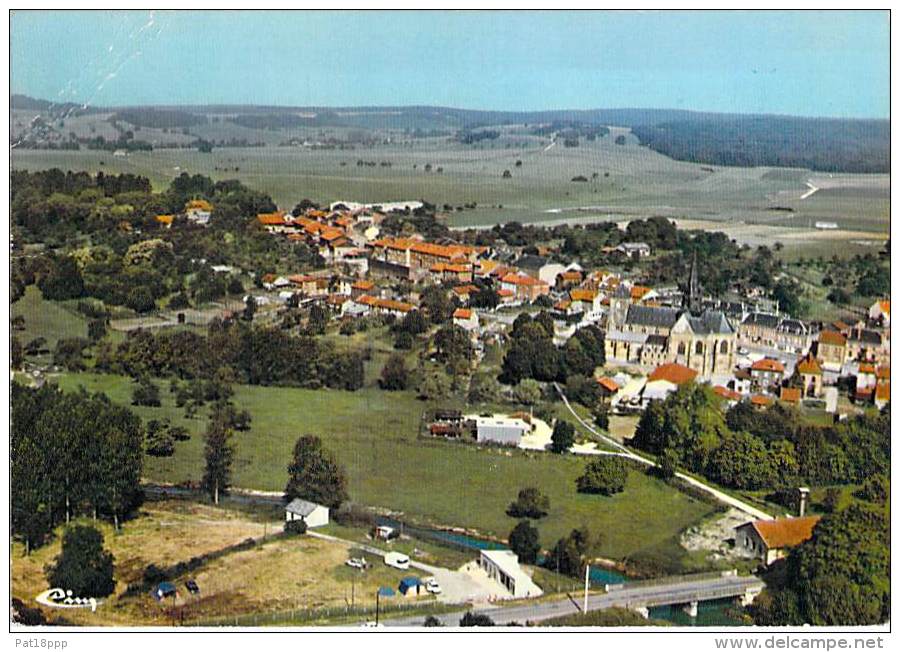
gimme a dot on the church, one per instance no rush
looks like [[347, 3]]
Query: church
[[696, 337]]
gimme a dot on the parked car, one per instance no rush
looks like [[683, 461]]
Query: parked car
[[355, 562], [192, 587], [397, 560], [432, 586]]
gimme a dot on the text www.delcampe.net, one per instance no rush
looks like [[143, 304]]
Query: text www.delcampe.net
[[800, 643]]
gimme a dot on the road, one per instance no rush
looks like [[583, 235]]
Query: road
[[641, 596], [721, 496]]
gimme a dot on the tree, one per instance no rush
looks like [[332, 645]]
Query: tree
[[159, 440], [315, 475], [434, 386], [563, 436], [403, 341], [249, 309], [528, 392], [484, 388], [601, 416], [69, 353], [741, 461], [530, 503], [318, 319], [567, 556], [394, 375], [524, 541], [96, 329], [471, 619], [62, 280], [146, 394], [605, 475], [432, 621], [140, 299], [218, 451], [83, 566], [16, 353]]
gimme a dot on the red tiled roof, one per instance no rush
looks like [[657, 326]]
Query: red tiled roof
[[363, 285], [638, 291], [760, 400], [462, 313], [768, 364], [790, 394], [272, 219], [674, 373], [522, 279], [609, 384], [832, 338], [785, 532], [726, 393], [809, 365], [582, 294]]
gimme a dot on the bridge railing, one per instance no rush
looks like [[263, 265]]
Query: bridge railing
[[671, 579]]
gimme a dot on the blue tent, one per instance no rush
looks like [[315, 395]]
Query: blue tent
[[164, 590], [386, 592], [410, 583]]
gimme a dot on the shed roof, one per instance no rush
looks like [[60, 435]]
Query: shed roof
[[785, 532], [674, 373], [302, 507]]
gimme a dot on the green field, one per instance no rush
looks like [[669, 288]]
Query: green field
[[632, 181], [373, 434], [47, 319]]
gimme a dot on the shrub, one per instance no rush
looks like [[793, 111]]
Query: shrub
[[605, 475], [297, 526]]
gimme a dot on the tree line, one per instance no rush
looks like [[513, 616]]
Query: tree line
[[255, 355], [71, 455], [773, 449]]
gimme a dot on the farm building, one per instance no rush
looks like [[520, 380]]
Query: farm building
[[768, 540], [503, 567], [496, 430], [302, 510]]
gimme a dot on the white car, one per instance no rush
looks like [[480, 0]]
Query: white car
[[397, 560], [432, 586], [355, 563]]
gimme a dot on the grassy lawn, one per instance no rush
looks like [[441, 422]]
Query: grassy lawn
[[275, 576], [47, 319], [373, 434]]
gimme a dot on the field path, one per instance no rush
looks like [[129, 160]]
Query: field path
[[809, 193], [721, 496]]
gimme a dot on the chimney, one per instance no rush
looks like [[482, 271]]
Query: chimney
[[804, 498]]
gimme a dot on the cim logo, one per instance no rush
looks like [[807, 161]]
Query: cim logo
[[60, 599]]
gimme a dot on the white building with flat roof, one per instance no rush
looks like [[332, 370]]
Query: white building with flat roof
[[503, 566], [498, 430]]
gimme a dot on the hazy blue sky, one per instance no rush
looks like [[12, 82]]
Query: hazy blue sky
[[802, 63]]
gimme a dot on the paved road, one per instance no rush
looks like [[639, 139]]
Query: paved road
[[625, 452], [642, 596]]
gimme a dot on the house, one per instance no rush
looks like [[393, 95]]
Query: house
[[761, 402], [791, 395], [411, 587], [198, 211], [465, 318], [586, 300], [165, 220], [730, 396], [810, 372], [831, 349], [865, 381], [503, 566], [313, 514], [608, 387], [498, 430], [524, 287], [880, 313], [766, 373], [360, 288], [385, 306], [866, 345], [769, 540], [634, 249]]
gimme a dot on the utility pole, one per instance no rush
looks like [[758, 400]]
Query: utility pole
[[587, 575], [377, 604]]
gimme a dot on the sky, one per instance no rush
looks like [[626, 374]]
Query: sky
[[810, 63]]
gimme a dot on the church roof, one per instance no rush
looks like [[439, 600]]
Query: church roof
[[652, 316], [709, 322]]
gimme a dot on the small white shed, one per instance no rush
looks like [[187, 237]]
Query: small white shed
[[314, 514]]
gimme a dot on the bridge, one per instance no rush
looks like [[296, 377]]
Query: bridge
[[685, 590]]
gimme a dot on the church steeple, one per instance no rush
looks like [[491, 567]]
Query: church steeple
[[693, 300]]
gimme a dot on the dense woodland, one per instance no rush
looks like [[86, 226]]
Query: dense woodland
[[750, 141]]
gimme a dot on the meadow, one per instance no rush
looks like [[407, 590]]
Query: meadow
[[623, 182], [373, 434]]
